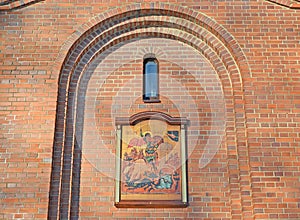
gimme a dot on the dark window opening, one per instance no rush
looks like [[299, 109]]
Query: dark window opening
[[151, 81]]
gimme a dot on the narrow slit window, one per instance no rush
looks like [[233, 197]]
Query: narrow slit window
[[151, 81]]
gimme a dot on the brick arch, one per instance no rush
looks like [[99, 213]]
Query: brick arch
[[133, 22], [11, 5], [88, 31], [291, 4]]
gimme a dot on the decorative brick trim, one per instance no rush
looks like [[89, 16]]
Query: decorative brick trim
[[16, 4], [142, 9], [292, 4], [128, 23]]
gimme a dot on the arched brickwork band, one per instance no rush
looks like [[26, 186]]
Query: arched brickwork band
[[10, 5], [292, 4], [140, 21]]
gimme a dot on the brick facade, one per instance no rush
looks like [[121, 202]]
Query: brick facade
[[69, 69]]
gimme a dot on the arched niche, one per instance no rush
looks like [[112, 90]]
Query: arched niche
[[119, 26]]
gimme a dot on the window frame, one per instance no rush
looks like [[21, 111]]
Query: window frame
[[150, 99]]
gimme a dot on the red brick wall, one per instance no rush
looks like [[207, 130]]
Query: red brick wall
[[255, 172], [184, 93]]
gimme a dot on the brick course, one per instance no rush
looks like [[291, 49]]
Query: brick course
[[249, 53]]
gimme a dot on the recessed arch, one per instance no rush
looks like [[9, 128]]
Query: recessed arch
[[135, 22]]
